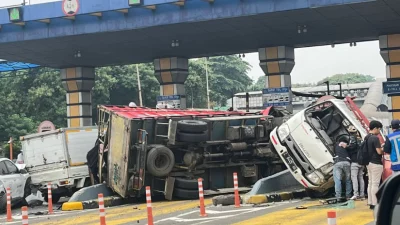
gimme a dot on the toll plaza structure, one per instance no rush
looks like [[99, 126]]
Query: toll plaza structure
[[79, 35]]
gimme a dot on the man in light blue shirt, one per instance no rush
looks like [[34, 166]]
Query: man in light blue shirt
[[392, 145]]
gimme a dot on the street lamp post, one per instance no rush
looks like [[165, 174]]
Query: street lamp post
[[208, 91], [139, 86], [340, 89], [327, 86]]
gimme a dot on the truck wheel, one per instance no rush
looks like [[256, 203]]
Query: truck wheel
[[3, 202], [192, 126], [192, 137], [316, 194], [186, 194], [185, 183], [160, 161], [54, 198]]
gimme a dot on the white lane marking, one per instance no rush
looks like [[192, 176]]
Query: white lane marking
[[219, 214], [208, 219]]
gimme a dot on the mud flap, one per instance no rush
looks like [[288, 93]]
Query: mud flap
[[169, 187]]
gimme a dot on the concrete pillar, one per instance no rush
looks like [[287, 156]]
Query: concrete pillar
[[172, 74], [78, 82], [277, 64], [390, 52]]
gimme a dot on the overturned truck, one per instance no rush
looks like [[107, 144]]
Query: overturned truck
[[170, 149]]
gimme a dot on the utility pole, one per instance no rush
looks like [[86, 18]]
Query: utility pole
[[11, 148], [340, 89], [208, 91], [139, 86], [327, 85]]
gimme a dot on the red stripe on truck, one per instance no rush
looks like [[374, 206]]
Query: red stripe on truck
[[274, 140], [304, 183]]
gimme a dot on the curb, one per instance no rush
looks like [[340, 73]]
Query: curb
[[93, 204], [274, 197]]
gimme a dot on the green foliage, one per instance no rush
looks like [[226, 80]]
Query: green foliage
[[351, 78], [227, 75], [259, 84]]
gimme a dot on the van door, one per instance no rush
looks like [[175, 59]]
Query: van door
[[313, 150], [17, 178], [119, 150], [79, 141]]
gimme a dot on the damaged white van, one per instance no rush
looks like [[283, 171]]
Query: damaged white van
[[306, 141]]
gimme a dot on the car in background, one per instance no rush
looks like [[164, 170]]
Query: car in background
[[18, 179]]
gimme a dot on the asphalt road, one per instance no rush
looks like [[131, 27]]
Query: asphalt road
[[186, 212]]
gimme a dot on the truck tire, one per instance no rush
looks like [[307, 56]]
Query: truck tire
[[192, 126], [316, 194], [160, 161], [192, 137], [185, 183], [54, 198], [186, 194], [3, 202]]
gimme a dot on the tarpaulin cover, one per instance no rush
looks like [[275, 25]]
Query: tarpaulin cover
[[6, 66]]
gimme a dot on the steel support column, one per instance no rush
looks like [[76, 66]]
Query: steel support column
[[78, 82], [390, 52], [277, 64], [172, 74]]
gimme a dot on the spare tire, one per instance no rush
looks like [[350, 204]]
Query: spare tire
[[160, 161], [192, 137], [185, 183], [186, 194], [192, 126]]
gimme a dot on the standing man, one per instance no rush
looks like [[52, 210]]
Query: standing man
[[392, 146], [375, 166], [20, 157], [357, 170], [342, 167]]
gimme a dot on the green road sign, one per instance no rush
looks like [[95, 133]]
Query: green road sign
[[15, 14], [135, 2]]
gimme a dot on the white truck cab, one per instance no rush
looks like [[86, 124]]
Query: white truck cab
[[306, 141]]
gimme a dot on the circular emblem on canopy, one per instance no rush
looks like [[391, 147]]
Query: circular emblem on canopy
[[46, 126], [70, 7]]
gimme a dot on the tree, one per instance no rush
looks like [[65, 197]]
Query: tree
[[227, 75], [259, 84], [351, 78]]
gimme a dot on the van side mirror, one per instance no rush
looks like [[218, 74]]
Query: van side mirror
[[388, 209]]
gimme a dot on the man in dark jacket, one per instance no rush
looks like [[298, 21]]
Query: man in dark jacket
[[342, 167], [357, 171], [92, 158]]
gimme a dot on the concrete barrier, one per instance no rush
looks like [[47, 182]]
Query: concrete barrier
[[90, 193], [281, 181], [87, 198], [278, 187], [94, 204]]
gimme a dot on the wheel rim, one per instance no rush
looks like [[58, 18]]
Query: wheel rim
[[161, 161]]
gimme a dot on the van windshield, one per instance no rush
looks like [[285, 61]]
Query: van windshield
[[329, 122]]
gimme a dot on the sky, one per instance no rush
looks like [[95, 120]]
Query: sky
[[315, 63]]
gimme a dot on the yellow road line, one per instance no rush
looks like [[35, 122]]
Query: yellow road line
[[163, 211], [291, 216], [85, 218]]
